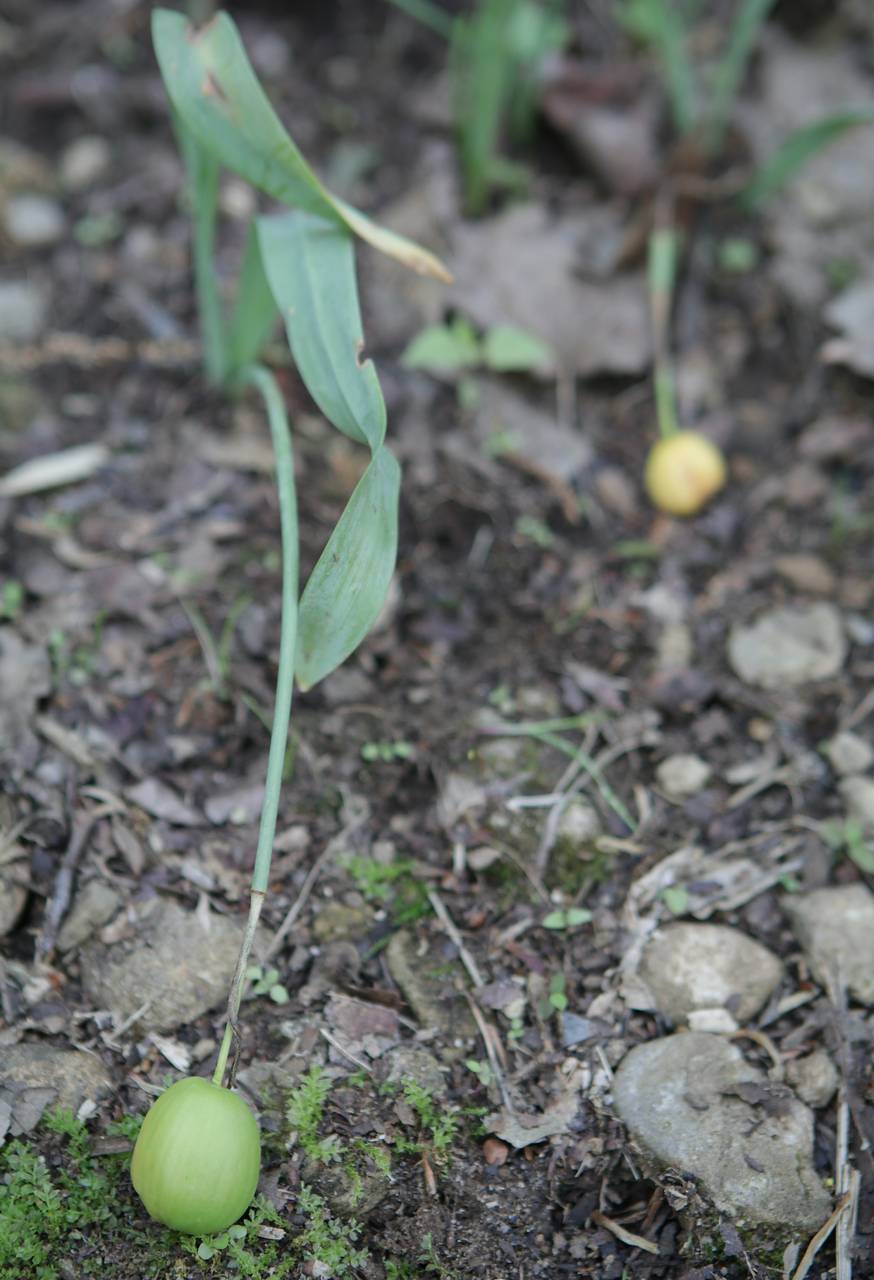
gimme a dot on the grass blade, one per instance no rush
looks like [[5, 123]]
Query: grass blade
[[310, 267], [216, 93], [800, 147], [745, 27], [663, 25], [348, 586]]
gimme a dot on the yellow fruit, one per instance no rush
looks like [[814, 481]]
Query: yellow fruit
[[683, 472], [197, 1158]]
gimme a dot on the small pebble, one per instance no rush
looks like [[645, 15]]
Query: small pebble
[[22, 311], [849, 753], [33, 221], [680, 776], [84, 161]]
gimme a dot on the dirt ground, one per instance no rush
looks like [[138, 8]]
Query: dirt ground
[[139, 626]]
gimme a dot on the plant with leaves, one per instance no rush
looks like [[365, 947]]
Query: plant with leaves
[[196, 1160]]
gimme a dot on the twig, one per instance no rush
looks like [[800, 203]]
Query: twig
[[627, 1237], [446, 920], [847, 1180], [60, 899], [345, 1052], [489, 1037], [820, 1238]]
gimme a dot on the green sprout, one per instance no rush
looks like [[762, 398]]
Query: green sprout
[[300, 265]]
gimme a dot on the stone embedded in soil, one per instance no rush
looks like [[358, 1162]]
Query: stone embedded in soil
[[22, 310], [425, 979], [858, 794], [35, 1076], [848, 753], [677, 1097], [813, 1077], [176, 967], [835, 927], [681, 776], [337, 921], [84, 161], [95, 904], [410, 1062], [579, 823], [789, 646], [690, 967]]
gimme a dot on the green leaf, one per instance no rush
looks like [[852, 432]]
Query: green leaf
[[205, 1251], [444, 348], [348, 586], [215, 91], [237, 1232], [578, 915], [863, 856], [676, 899], [799, 147], [555, 920], [310, 267], [254, 313], [278, 994], [510, 350]]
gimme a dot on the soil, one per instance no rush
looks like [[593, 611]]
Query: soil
[[507, 602]]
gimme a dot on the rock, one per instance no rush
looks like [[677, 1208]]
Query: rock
[[682, 775], [84, 161], [835, 927], [336, 921], [348, 1196], [25, 677], [36, 1076], [409, 1062], [427, 986], [95, 903], [678, 1098], [789, 646], [579, 823], [690, 967], [813, 1077], [848, 753], [806, 573], [178, 965], [22, 311], [33, 221], [858, 793]]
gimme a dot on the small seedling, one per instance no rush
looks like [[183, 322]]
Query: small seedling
[[684, 469], [196, 1160], [481, 1070], [849, 838], [265, 982], [457, 347], [676, 899], [211, 1245], [563, 919]]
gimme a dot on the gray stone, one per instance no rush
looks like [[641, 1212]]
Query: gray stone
[[858, 793], [36, 1076], [681, 776], [409, 1062], [177, 965], [427, 984], [22, 310], [95, 903], [33, 221], [84, 161], [813, 1077], [678, 1097], [336, 921], [789, 646], [849, 753], [688, 967], [579, 823], [836, 930]]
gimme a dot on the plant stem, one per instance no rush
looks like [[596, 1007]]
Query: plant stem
[[662, 269], [264, 381], [203, 175]]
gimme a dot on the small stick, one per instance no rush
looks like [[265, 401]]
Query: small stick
[[60, 899], [627, 1237], [446, 920], [820, 1238], [345, 1052]]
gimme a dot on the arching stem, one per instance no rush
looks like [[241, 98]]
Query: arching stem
[[264, 381]]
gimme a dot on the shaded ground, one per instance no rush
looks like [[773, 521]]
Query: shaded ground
[[535, 582]]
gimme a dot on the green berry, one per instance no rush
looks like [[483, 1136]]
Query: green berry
[[197, 1159]]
